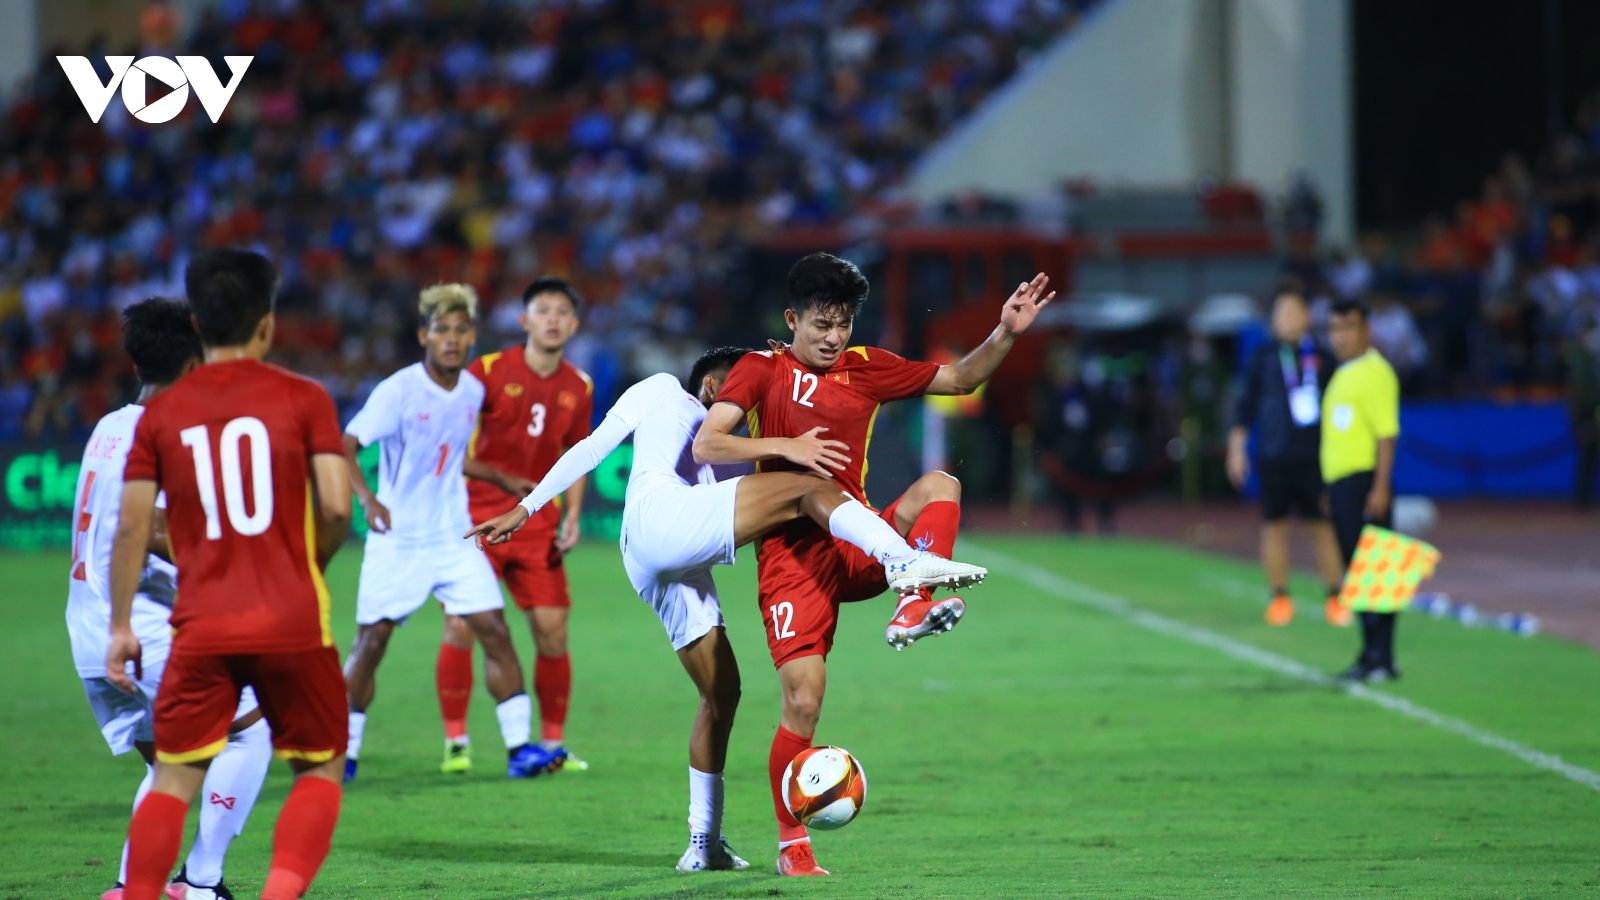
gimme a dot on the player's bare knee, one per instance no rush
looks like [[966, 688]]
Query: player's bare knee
[[935, 487]]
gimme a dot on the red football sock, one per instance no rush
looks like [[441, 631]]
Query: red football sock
[[786, 745], [552, 682], [453, 677], [935, 530], [153, 840], [300, 842]]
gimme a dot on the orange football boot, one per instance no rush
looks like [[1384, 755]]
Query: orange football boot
[[1338, 614], [919, 615], [797, 859], [1280, 611]]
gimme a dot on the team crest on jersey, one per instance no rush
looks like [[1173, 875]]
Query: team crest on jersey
[[513, 390], [567, 400], [841, 377]]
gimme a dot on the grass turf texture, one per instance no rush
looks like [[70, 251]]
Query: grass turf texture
[[1043, 749]]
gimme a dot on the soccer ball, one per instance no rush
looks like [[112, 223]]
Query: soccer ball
[[824, 787]]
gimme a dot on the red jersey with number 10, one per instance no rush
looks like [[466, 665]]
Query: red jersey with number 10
[[527, 422], [231, 444], [784, 397]]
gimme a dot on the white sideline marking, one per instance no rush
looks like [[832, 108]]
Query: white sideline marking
[[1115, 605]]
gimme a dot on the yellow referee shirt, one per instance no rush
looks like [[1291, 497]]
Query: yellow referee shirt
[[1361, 407]]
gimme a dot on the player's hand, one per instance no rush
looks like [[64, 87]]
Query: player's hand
[[1238, 467], [567, 536], [1024, 304], [1378, 500], [377, 516], [517, 486], [123, 648], [817, 453], [777, 346], [499, 529]]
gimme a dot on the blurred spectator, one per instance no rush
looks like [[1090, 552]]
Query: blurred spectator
[[1395, 334], [1583, 402]]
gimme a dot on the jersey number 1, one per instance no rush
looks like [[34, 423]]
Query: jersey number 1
[[198, 440], [809, 381]]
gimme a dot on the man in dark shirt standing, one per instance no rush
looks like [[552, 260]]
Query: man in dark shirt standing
[[1282, 400]]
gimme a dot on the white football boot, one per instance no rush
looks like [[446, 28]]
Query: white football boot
[[704, 857], [907, 575]]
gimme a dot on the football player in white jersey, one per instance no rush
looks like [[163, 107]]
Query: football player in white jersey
[[161, 341], [679, 520], [422, 417]]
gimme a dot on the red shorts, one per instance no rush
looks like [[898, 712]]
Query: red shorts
[[302, 696], [531, 567], [804, 574]]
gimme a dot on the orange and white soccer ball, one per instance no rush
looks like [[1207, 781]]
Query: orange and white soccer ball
[[824, 787]]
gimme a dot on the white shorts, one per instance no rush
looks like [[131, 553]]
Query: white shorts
[[125, 718], [398, 576], [671, 537]]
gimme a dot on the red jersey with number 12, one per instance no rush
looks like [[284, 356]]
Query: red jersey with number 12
[[784, 397], [231, 444], [527, 422]]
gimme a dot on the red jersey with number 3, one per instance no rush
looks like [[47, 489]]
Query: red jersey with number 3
[[231, 444], [784, 397], [526, 423]]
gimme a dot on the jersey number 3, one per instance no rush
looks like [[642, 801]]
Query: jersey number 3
[[198, 440], [536, 420], [807, 381]]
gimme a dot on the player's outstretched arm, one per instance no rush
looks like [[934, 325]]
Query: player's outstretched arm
[[1021, 308], [377, 514], [330, 474], [716, 444], [127, 565]]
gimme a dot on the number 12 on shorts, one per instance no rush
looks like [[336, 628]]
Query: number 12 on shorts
[[782, 620]]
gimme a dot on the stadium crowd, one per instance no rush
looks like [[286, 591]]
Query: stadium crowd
[[380, 146]]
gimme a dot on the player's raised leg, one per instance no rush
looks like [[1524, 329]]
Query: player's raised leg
[[802, 683], [929, 515], [711, 665], [769, 499]]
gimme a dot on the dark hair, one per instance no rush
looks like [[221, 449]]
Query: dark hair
[[1288, 284], [160, 339], [712, 360], [1346, 307], [230, 291], [549, 284], [826, 283]]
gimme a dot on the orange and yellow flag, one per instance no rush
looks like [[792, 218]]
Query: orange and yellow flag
[[1386, 570]]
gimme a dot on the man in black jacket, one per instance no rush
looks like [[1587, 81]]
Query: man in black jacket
[[1282, 400]]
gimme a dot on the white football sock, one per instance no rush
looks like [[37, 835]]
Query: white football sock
[[855, 523], [358, 725], [516, 720], [229, 793], [705, 804], [138, 798]]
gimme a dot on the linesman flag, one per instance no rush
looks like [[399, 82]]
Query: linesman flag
[[1386, 570]]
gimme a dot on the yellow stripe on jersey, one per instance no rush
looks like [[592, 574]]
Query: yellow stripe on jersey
[[860, 350], [310, 756], [867, 445], [753, 421], [489, 359], [209, 751], [587, 381], [472, 442], [324, 601]]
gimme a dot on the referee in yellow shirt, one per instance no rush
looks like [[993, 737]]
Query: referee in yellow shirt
[[1360, 424]]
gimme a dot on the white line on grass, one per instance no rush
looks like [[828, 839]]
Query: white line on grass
[[1115, 605]]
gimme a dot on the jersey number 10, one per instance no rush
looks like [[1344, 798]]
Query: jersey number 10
[[198, 440]]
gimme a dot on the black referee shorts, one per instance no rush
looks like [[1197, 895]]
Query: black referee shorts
[[1347, 506], [1290, 486]]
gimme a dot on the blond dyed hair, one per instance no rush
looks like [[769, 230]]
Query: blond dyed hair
[[443, 299]]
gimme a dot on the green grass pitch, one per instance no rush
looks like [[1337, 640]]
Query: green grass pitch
[[1044, 749]]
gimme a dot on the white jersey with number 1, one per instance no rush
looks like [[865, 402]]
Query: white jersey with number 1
[[422, 432], [678, 519]]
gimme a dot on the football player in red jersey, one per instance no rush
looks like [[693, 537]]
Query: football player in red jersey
[[805, 573], [536, 405], [258, 501]]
